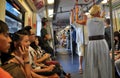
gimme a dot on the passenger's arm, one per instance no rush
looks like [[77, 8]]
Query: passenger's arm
[[117, 57], [49, 68], [45, 34], [84, 19], [45, 56], [25, 54], [72, 16], [103, 14], [27, 67], [48, 36]]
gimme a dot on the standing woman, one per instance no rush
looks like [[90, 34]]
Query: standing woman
[[98, 63], [97, 59]]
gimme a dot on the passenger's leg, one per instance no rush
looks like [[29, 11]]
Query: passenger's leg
[[80, 65]]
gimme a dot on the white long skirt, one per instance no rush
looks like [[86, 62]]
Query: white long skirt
[[97, 60]]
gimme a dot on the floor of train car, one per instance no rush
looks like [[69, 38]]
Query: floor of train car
[[65, 58]]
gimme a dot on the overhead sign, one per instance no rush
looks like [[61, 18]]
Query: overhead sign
[[39, 3]]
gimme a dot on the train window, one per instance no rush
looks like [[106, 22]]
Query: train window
[[14, 17], [14, 25], [13, 10]]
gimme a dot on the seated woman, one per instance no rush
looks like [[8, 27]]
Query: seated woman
[[41, 55], [44, 58], [36, 68], [20, 51]]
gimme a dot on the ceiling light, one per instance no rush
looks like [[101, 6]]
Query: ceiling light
[[104, 2], [50, 13], [50, 1]]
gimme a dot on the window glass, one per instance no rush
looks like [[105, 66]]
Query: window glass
[[13, 10], [13, 24]]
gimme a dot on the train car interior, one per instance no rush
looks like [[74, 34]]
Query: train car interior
[[69, 32]]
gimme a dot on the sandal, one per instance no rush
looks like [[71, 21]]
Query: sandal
[[81, 71]]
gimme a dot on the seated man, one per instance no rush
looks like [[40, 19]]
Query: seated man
[[4, 46], [117, 53], [117, 65]]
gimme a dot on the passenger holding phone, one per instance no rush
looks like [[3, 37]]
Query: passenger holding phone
[[20, 48]]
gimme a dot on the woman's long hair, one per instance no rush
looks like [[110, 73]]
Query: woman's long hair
[[33, 45]]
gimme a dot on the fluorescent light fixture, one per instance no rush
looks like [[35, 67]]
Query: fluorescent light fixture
[[50, 1], [50, 13], [104, 1]]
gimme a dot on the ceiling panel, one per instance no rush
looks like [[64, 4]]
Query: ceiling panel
[[65, 6]]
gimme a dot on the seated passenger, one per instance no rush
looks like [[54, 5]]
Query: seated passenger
[[116, 45], [35, 67], [4, 39], [42, 57], [117, 53], [20, 49], [41, 54]]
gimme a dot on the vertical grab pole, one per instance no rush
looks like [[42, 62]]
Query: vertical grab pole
[[112, 36], [71, 46], [115, 20], [71, 21]]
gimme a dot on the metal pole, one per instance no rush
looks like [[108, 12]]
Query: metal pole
[[84, 48], [71, 45], [53, 42], [112, 38], [71, 21], [115, 20]]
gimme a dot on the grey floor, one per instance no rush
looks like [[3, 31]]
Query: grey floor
[[69, 65]]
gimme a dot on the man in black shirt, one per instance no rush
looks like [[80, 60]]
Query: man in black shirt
[[108, 33], [45, 37]]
